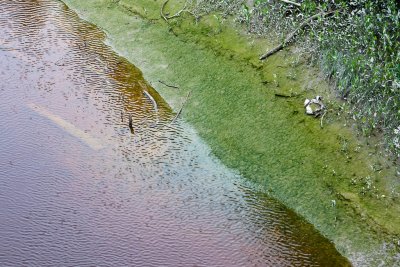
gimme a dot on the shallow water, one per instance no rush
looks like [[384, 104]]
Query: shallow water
[[78, 187]]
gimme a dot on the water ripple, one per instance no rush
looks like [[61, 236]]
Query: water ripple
[[152, 196]]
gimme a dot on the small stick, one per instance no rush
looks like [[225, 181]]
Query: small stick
[[180, 110], [168, 85], [152, 101], [130, 124], [282, 95], [322, 118]]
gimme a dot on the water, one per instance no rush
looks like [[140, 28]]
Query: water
[[78, 187]]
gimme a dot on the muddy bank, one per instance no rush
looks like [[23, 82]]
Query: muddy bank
[[327, 175]]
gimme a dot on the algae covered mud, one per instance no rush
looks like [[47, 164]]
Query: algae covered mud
[[327, 175], [79, 188]]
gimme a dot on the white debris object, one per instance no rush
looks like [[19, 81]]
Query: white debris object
[[314, 106], [309, 110]]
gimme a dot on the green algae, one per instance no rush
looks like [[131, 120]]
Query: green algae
[[323, 174]]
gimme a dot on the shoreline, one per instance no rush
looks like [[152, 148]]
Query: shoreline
[[286, 153]]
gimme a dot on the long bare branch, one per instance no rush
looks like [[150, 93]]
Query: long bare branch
[[290, 36]]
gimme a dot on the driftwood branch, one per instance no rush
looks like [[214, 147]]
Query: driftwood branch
[[290, 2], [290, 36], [180, 110]]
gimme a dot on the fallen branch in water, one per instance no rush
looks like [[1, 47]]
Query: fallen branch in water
[[180, 110], [168, 85], [290, 36], [153, 102]]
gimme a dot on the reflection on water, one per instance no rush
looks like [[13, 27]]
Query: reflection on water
[[152, 196]]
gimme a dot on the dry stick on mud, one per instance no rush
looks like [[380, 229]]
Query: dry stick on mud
[[180, 110], [293, 33]]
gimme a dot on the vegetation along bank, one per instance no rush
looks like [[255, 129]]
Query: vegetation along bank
[[338, 170]]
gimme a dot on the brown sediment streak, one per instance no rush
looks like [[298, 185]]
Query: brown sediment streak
[[89, 140]]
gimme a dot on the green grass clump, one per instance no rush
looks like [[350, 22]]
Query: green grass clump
[[360, 49]]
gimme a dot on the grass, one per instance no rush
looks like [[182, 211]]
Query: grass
[[268, 139]]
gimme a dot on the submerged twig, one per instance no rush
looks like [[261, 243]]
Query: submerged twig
[[168, 85], [130, 124], [284, 96], [180, 110]]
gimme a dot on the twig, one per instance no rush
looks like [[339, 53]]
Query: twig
[[130, 123], [152, 100], [322, 118], [162, 11], [180, 110], [293, 33], [290, 2], [177, 14], [282, 95], [168, 85]]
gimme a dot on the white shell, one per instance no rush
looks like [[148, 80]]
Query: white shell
[[309, 110], [306, 102]]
